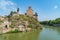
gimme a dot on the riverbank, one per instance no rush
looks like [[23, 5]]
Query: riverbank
[[55, 22], [16, 31], [53, 25]]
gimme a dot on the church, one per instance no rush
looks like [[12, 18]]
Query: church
[[30, 13]]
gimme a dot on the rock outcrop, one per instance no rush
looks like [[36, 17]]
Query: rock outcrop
[[15, 21]]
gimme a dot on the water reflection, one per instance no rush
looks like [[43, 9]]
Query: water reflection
[[56, 29]]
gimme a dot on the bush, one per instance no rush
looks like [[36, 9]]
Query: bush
[[15, 31], [0, 21], [12, 26]]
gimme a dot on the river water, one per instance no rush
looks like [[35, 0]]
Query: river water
[[48, 33]]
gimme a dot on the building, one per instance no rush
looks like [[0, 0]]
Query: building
[[30, 13]]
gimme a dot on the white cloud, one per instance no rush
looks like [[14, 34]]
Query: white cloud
[[55, 6], [7, 6]]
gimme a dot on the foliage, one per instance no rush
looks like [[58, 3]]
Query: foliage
[[0, 21], [17, 20], [12, 26], [51, 22], [15, 31], [11, 13]]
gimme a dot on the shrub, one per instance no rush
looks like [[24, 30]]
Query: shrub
[[12, 26], [15, 31]]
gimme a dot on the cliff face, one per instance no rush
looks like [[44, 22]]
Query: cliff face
[[18, 22], [24, 20]]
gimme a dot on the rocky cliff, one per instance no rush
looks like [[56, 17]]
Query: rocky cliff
[[16, 22]]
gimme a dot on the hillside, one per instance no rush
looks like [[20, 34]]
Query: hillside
[[16, 22], [20, 19]]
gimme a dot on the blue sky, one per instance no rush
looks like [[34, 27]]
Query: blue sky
[[46, 9]]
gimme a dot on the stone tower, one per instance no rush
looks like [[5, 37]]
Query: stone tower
[[29, 12]]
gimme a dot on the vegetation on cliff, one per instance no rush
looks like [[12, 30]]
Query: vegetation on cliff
[[15, 22], [20, 19]]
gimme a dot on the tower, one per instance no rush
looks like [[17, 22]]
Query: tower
[[29, 12]]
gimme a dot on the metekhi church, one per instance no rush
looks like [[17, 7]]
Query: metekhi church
[[28, 13]]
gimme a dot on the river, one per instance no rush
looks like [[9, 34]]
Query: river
[[48, 33]]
